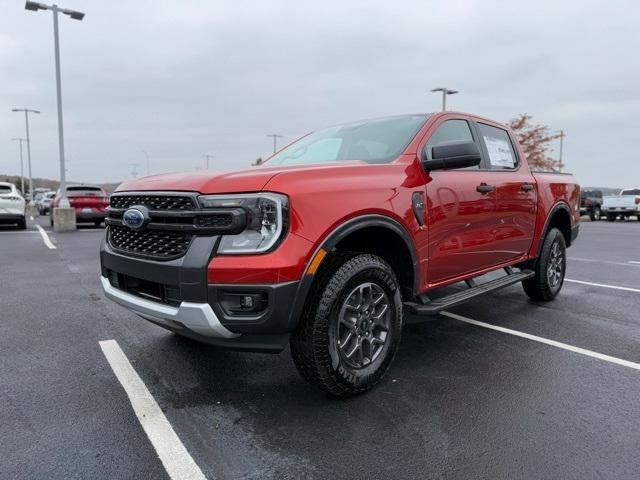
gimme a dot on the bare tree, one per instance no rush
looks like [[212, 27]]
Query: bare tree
[[535, 140]]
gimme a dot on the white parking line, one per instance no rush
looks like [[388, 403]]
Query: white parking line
[[602, 285], [173, 454], [633, 262], [609, 262], [45, 238], [546, 341]]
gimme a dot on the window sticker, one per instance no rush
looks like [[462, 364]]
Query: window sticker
[[500, 154]]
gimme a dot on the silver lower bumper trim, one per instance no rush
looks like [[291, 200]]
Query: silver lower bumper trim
[[198, 317]]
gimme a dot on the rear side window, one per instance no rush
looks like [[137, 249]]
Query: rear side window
[[500, 150], [633, 191], [5, 189]]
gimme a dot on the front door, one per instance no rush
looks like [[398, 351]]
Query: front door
[[461, 208]]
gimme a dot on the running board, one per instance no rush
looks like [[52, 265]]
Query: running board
[[436, 306]]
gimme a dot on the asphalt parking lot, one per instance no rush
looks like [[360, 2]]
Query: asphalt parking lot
[[555, 396]]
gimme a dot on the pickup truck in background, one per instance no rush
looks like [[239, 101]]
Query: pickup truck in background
[[89, 201], [336, 236], [624, 205], [591, 204]]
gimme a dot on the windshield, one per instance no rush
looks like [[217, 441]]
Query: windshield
[[5, 189], [372, 141]]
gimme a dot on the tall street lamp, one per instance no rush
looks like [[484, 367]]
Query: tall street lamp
[[275, 139], [27, 111], [561, 135], [35, 6], [445, 92], [208, 157], [21, 163]]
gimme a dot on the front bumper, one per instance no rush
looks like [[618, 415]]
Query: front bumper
[[197, 317], [185, 302]]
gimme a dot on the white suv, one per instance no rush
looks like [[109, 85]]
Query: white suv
[[12, 205]]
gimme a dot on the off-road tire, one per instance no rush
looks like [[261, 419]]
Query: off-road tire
[[540, 287], [314, 345]]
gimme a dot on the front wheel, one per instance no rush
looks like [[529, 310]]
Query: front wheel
[[351, 326], [550, 268], [595, 215]]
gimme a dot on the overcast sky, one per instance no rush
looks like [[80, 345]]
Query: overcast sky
[[183, 78]]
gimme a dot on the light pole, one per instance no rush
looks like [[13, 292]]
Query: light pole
[[208, 157], [35, 6], [445, 92], [561, 135], [26, 121], [147, 155], [21, 163], [275, 139], [134, 169]]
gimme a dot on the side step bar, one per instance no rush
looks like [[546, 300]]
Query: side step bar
[[435, 306]]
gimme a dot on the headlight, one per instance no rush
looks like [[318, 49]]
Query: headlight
[[267, 220]]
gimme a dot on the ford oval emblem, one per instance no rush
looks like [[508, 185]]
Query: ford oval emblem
[[133, 218]]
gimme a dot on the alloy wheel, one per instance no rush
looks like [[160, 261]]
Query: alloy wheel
[[363, 325], [555, 268]]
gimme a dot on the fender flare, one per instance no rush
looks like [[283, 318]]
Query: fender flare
[[333, 238], [561, 205]]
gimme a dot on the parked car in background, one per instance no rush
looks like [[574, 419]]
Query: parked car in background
[[591, 204], [624, 205], [331, 239], [12, 206], [44, 202], [89, 201]]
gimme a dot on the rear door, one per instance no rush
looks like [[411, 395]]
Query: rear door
[[461, 211], [515, 193]]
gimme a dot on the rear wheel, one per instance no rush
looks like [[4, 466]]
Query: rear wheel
[[549, 269], [22, 223], [611, 217], [97, 223], [595, 214], [351, 326]]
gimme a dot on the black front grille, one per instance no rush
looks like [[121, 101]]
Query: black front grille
[[154, 202], [152, 243]]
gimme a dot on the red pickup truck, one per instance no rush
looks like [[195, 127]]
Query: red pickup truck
[[339, 234]]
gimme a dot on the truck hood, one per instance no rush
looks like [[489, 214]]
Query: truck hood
[[210, 181]]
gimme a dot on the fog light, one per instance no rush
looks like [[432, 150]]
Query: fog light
[[247, 301]]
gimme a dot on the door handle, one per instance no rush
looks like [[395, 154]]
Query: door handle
[[527, 187], [484, 188]]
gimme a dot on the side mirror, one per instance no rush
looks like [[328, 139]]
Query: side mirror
[[449, 155]]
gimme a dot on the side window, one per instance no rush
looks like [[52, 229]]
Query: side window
[[451, 131], [502, 156]]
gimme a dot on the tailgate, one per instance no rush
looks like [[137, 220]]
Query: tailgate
[[627, 201]]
